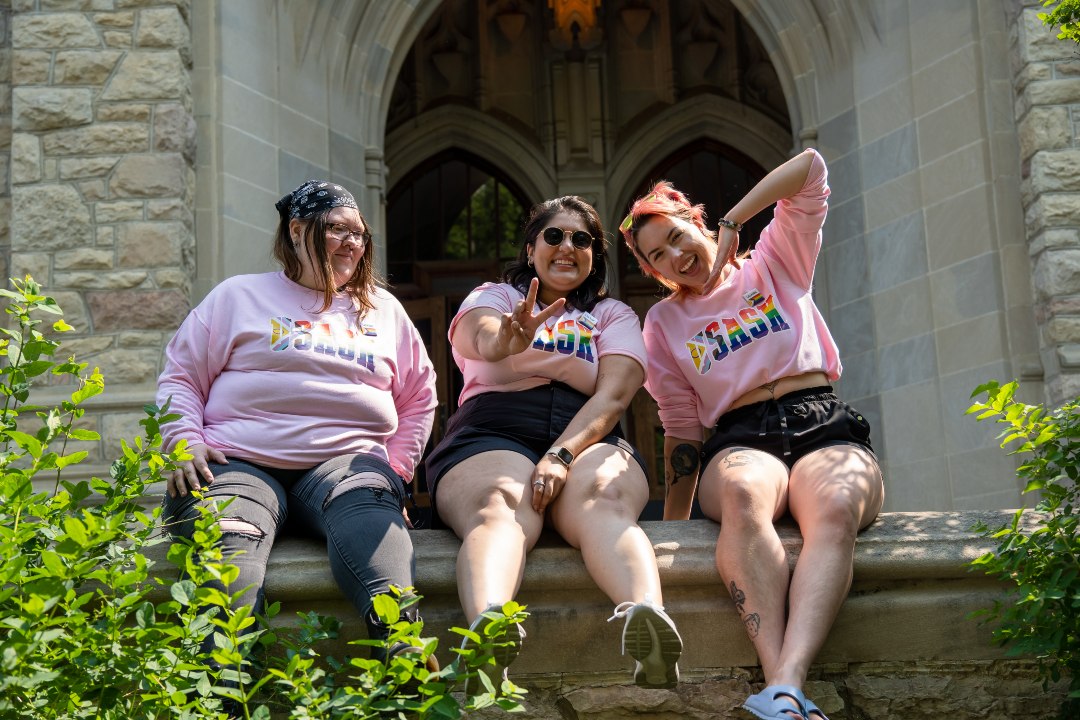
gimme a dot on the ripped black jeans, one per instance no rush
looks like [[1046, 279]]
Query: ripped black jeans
[[354, 502]]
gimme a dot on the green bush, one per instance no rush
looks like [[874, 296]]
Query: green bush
[[1039, 552], [88, 629]]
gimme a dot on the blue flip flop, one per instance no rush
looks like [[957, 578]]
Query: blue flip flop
[[769, 704], [811, 709]]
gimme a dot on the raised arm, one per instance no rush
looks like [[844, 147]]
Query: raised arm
[[783, 182], [619, 378], [487, 334]]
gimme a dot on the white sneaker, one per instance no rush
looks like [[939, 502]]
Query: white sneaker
[[653, 642]]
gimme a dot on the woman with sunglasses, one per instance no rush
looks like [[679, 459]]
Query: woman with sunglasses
[[741, 347], [550, 363], [304, 394]]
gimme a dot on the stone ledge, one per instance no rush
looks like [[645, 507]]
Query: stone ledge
[[909, 602]]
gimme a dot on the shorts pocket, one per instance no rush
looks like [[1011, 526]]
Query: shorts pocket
[[860, 427]]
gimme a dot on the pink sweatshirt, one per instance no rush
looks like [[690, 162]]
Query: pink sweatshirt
[[567, 348], [759, 325], [259, 375]]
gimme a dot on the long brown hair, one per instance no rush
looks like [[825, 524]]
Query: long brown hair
[[359, 287]]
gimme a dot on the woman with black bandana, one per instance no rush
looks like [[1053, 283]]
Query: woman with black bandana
[[304, 394]]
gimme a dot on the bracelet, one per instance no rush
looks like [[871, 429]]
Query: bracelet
[[730, 224]]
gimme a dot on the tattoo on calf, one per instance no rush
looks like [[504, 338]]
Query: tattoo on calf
[[738, 596], [752, 620], [684, 462], [753, 625]]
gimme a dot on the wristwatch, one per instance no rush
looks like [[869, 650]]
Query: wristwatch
[[562, 455]]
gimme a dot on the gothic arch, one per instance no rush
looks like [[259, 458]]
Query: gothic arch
[[453, 126], [704, 116]]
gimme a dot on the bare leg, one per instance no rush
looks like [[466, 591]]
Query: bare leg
[[746, 491], [481, 500], [833, 493], [597, 512]]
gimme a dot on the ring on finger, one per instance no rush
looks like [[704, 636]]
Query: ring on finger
[[540, 484]]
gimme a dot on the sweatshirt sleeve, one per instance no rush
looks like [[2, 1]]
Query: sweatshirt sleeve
[[414, 397], [677, 401], [792, 240], [192, 362], [622, 335]]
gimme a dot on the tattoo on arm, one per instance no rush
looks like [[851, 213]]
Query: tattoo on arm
[[684, 462]]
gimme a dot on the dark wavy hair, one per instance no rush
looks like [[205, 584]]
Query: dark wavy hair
[[594, 288], [359, 286]]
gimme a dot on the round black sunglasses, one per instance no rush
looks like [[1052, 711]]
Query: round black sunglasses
[[581, 239]]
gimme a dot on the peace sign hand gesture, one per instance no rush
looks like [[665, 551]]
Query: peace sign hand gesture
[[517, 328]]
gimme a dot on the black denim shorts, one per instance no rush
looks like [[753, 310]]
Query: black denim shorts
[[790, 427], [527, 422]]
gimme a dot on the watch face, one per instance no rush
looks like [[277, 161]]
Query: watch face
[[565, 456]]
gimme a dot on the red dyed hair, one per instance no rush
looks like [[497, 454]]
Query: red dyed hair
[[662, 199]]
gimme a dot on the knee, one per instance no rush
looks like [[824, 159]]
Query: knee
[[498, 505], [834, 518], [240, 528], [747, 500]]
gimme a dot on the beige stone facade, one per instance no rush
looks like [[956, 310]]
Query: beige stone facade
[[145, 142]]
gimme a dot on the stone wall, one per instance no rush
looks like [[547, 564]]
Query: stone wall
[[903, 647], [102, 180], [1047, 87], [5, 136]]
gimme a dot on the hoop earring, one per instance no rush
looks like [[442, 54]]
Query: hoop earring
[[530, 261]]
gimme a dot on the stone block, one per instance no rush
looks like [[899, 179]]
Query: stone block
[[903, 311], [1051, 210], [125, 310], [1039, 42], [83, 348], [1063, 330], [150, 176], [149, 244], [74, 314], [25, 158], [85, 259], [145, 338], [53, 30], [1044, 129], [164, 28], [853, 327], [897, 252], [106, 235], [149, 75], [168, 209], [1069, 356], [91, 190], [958, 228], [99, 139], [171, 278], [1052, 237], [30, 67], [965, 290], [973, 343], [37, 265], [120, 366], [49, 217], [847, 267], [123, 19], [1055, 171], [117, 38], [907, 362], [889, 157], [1053, 92], [120, 112], [84, 67], [117, 280], [40, 109], [174, 130], [951, 126], [1057, 272], [893, 200], [77, 168], [118, 211], [941, 83], [954, 173]]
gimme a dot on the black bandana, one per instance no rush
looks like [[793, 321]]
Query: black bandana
[[313, 197]]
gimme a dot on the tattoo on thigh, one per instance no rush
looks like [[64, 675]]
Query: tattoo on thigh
[[737, 459], [684, 462], [738, 596], [753, 624]]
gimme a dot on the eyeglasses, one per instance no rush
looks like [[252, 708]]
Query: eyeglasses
[[554, 236], [341, 233]]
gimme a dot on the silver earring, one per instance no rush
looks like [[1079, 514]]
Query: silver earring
[[530, 261]]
